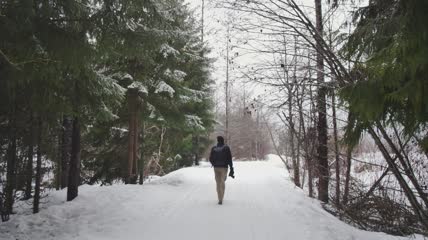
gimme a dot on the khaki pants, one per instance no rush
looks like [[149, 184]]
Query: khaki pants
[[220, 178]]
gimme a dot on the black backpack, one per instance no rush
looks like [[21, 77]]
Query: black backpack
[[219, 156]]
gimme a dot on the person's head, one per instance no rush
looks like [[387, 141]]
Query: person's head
[[220, 139]]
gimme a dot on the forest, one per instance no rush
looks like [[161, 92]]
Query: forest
[[344, 101], [112, 92], [98, 91]]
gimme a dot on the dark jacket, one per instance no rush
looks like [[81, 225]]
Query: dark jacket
[[223, 154]]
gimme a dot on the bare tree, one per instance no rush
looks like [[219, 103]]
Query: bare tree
[[336, 148], [38, 176]]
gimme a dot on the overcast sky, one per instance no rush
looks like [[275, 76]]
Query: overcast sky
[[215, 25]]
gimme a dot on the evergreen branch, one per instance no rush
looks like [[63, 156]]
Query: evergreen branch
[[37, 60], [6, 59], [16, 65]]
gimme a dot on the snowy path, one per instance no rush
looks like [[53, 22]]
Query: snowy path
[[261, 203]]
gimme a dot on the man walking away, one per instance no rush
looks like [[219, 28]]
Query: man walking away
[[220, 158]]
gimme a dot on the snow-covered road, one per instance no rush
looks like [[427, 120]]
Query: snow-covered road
[[261, 203]]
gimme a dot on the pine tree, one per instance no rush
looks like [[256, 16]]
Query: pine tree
[[390, 46], [166, 82]]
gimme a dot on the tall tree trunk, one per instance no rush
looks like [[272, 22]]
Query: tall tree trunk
[[141, 168], [291, 130], [74, 164], [196, 149], [136, 150], [294, 85], [322, 151], [301, 134], [296, 167], [11, 166], [310, 178], [58, 169], [309, 156], [348, 174], [38, 176], [336, 148], [131, 135], [67, 130], [310, 160], [29, 167], [58, 153], [299, 143], [74, 170]]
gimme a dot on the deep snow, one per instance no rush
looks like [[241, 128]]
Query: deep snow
[[260, 203]]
